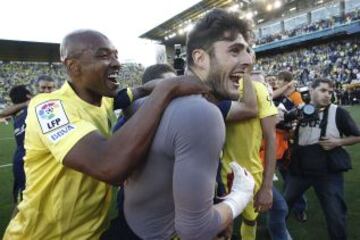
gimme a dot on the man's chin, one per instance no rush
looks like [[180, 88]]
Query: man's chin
[[110, 94], [229, 96], [233, 95], [322, 105]]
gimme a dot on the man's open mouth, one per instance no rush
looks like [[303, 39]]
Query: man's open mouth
[[236, 77], [113, 77]]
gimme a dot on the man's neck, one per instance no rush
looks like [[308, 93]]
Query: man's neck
[[91, 98], [210, 96], [319, 107]]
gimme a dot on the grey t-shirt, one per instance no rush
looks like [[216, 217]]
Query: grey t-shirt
[[173, 192]]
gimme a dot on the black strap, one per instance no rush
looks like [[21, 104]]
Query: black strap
[[323, 125], [324, 122]]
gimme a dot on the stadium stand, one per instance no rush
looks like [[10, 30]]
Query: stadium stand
[[312, 27], [338, 60], [26, 73]]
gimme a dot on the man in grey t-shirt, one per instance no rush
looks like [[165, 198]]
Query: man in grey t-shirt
[[172, 193]]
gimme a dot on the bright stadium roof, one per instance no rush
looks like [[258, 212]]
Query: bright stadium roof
[[260, 12]]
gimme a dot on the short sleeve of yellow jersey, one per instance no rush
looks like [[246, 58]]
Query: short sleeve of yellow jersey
[[265, 104], [56, 126]]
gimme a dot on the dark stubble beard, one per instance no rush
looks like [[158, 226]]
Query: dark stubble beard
[[214, 81]]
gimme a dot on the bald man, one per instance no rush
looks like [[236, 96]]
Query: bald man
[[71, 158]]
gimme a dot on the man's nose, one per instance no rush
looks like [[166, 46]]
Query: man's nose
[[247, 58], [115, 62]]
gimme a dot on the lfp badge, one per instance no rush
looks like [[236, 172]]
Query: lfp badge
[[49, 110], [51, 115]]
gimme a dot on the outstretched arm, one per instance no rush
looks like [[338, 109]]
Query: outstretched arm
[[112, 160], [13, 109]]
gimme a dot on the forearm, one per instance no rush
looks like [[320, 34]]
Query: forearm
[[270, 162], [268, 127], [350, 140], [240, 111], [137, 134], [225, 214], [249, 96], [280, 91], [11, 110], [113, 160], [139, 92]]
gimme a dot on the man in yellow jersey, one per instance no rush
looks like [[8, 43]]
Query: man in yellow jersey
[[243, 141], [71, 159]]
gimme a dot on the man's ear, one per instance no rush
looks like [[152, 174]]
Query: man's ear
[[73, 66], [201, 58]]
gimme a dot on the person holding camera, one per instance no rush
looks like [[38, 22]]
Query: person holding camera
[[318, 159], [287, 99]]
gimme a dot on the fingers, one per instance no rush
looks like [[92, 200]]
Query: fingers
[[262, 207], [238, 170], [242, 178]]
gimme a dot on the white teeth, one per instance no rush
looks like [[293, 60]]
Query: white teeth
[[112, 76], [237, 74]]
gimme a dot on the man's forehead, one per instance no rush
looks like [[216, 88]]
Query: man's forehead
[[229, 40], [325, 86], [228, 35], [46, 82], [94, 42]]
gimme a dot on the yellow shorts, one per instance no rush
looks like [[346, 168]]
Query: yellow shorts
[[249, 212]]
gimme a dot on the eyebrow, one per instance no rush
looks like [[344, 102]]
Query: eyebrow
[[240, 45], [99, 50]]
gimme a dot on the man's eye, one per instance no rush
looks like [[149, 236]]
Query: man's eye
[[235, 50]]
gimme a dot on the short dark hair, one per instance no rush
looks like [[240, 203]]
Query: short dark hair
[[286, 76], [155, 71], [44, 78], [211, 28], [18, 94], [315, 83]]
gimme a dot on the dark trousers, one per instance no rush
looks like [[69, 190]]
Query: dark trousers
[[277, 217], [300, 204], [329, 190]]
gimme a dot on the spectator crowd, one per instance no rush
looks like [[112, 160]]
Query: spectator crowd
[[338, 61], [312, 27], [26, 73]]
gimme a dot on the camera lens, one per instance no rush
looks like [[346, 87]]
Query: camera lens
[[308, 109]]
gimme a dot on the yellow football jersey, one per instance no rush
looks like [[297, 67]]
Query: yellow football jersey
[[243, 138], [61, 203]]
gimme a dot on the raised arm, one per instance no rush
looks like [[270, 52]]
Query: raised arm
[[247, 106], [13, 109]]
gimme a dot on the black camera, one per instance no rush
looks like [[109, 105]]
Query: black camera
[[306, 115], [305, 93]]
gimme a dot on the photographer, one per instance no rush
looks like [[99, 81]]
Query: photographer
[[318, 159]]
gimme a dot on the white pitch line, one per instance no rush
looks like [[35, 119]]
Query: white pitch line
[[6, 165], [6, 138]]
